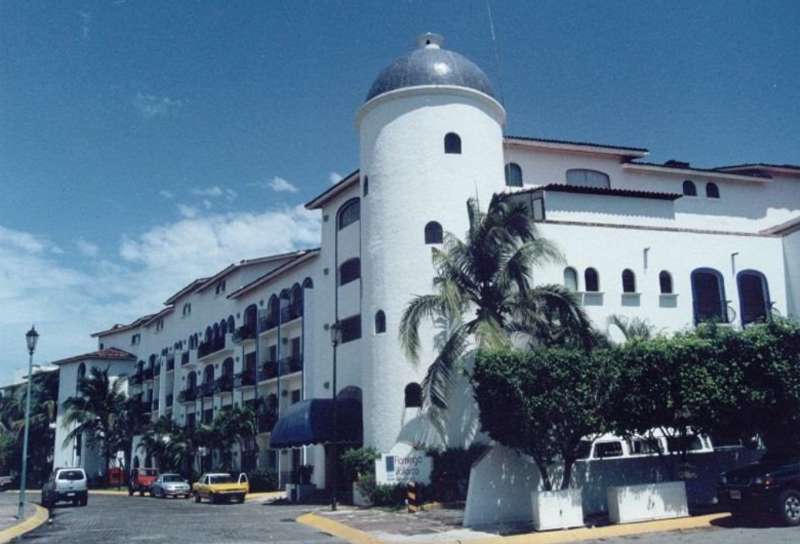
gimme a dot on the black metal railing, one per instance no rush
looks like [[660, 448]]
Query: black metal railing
[[244, 332], [267, 323], [290, 312], [293, 363], [207, 389], [268, 370], [245, 378], [188, 395], [185, 358], [212, 346], [223, 384]]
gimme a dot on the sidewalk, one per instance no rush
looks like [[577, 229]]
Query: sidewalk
[[443, 526], [10, 526]]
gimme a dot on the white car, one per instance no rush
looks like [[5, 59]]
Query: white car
[[65, 484], [170, 485]]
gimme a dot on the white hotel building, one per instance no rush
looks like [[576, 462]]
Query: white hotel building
[[667, 242]]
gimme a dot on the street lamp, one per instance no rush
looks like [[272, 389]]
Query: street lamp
[[31, 337], [336, 339]]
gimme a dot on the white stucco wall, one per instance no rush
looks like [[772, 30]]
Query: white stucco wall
[[791, 252]]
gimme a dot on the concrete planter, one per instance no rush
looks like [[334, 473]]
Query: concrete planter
[[644, 502], [557, 509], [359, 499]]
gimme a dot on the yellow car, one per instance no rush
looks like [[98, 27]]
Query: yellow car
[[219, 486]]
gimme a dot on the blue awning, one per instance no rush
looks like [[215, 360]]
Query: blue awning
[[311, 422]]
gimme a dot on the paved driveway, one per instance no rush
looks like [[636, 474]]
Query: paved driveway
[[122, 519]]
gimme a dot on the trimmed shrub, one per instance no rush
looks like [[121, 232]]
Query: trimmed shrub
[[263, 480]]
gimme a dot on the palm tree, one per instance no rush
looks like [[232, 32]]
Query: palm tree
[[166, 443], [482, 290], [129, 422], [633, 328], [94, 411], [235, 425]]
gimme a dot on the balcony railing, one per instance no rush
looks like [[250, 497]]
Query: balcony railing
[[185, 358], [266, 421], [223, 384], [269, 322], [148, 373], [245, 378], [207, 348], [169, 401], [287, 365], [290, 312], [244, 332], [207, 389], [293, 363], [208, 416], [268, 370], [188, 395]]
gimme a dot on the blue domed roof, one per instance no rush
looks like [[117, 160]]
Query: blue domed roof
[[431, 65]]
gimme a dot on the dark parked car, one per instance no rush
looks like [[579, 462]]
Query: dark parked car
[[771, 486]]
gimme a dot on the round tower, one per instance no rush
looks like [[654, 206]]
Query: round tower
[[430, 139]]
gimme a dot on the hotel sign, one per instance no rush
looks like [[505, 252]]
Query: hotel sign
[[402, 465]]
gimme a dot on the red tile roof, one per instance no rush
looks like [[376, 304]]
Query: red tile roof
[[108, 354]]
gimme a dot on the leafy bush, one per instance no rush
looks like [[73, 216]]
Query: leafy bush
[[450, 474], [543, 402], [383, 494], [263, 480], [358, 462]]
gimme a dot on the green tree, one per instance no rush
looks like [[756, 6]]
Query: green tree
[[633, 328], [234, 425], [93, 412], [482, 289], [129, 422], [165, 442], [544, 402]]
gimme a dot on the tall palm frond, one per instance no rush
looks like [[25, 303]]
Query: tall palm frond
[[633, 328]]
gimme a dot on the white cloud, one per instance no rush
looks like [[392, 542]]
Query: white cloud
[[187, 211], [334, 178], [163, 193], [215, 192], [68, 304], [280, 185], [151, 106], [87, 248]]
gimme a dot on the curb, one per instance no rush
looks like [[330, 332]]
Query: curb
[[265, 496], [335, 528], [25, 526]]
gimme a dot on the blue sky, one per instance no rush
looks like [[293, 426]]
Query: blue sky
[[145, 143]]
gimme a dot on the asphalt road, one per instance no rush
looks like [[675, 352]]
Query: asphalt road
[[122, 519], [726, 531]]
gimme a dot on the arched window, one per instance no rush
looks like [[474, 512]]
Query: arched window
[[227, 367], [223, 327], [251, 317], [628, 281], [587, 178], [754, 303], [209, 336], [231, 324], [452, 143], [349, 213], [208, 374], [591, 280], [513, 175], [433, 233], [413, 395], [308, 283], [380, 322], [273, 311], [81, 375], [665, 282], [689, 188], [349, 271], [708, 293], [366, 185], [570, 279], [712, 191]]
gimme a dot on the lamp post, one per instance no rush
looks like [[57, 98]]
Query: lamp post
[[336, 338], [31, 337]]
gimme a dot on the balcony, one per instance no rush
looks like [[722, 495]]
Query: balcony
[[245, 332], [170, 364], [185, 358], [208, 416], [245, 378], [148, 373], [213, 346], [290, 312], [293, 363], [223, 384], [188, 395], [268, 371], [169, 401], [267, 323], [207, 389], [157, 370], [266, 422]]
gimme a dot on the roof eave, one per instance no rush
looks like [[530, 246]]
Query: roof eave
[[578, 147], [716, 174], [273, 274], [333, 191]]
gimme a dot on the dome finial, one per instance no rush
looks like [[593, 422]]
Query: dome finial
[[429, 40]]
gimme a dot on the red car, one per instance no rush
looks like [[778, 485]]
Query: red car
[[142, 480]]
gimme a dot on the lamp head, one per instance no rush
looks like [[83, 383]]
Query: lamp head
[[31, 337]]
